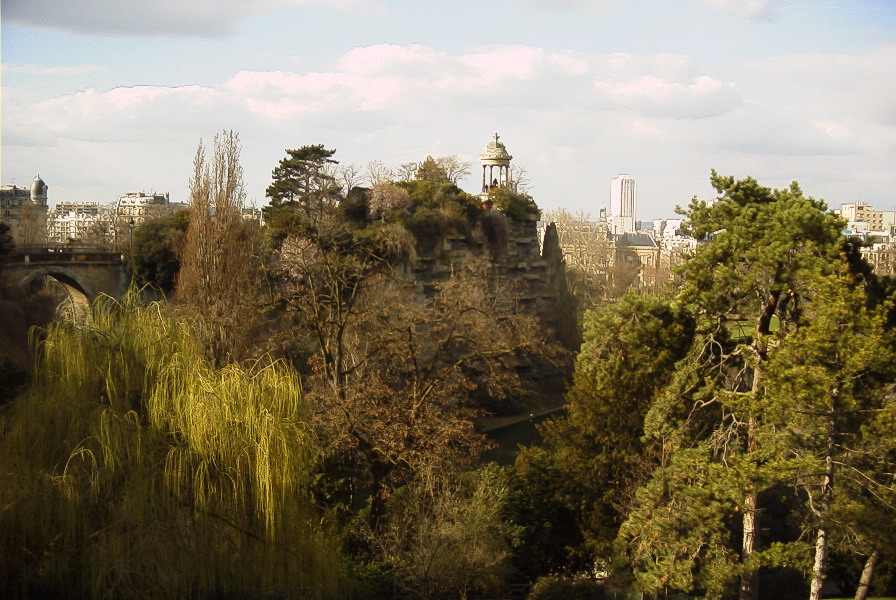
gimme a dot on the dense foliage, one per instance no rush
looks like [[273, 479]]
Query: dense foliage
[[156, 250], [592, 460], [303, 418], [516, 205], [130, 455]]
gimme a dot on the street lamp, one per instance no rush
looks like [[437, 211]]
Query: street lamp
[[131, 245]]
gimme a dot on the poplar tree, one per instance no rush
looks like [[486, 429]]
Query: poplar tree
[[221, 261]]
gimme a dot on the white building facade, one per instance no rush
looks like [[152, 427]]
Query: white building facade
[[80, 222], [141, 206], [862, 218], [667, 233]]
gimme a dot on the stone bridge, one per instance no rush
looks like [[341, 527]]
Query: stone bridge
[[83, 272]]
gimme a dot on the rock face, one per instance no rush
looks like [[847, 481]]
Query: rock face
[[524, 279], [529, 279]]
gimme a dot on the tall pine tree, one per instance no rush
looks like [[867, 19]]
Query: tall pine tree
[[746, 285], [302, 182]]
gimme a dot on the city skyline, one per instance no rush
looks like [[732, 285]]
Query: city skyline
[[108, 100], [594, 215]]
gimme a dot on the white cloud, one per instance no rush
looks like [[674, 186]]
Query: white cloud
[[840, 86], [751, 9], [382, 58], [698, 98], [279, 94], [778, 131], [648, 113], [155, 17], [566, 5], [123, 113], [645, 129]]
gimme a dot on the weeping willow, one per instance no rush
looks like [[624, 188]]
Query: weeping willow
[[132, 468]]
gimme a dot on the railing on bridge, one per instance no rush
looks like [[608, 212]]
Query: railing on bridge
[[64, 254]]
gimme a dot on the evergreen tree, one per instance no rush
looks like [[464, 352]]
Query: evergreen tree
[[827, 384], [431, 170], [595, 458], [747, 284], [304, 181]]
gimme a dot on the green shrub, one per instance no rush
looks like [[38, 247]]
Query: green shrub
[[553, 587], [428, 226], [156, 250], [520, 207], [436, 209]]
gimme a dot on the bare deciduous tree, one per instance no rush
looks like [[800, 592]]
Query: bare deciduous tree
[[349, 177], [410, 367], [377, 172], [406, 171], [392, 373], [32, 229], [385, 197], [587, 252], [519, 180], [455, 167]]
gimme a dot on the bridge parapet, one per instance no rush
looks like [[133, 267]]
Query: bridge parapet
[[64, 255], [87, 271]]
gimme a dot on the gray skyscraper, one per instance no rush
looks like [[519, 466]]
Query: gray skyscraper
[[623, 204]]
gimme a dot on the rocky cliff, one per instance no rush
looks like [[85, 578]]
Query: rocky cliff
[[534, 278]]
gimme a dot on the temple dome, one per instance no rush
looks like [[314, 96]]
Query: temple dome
[[495, 151]]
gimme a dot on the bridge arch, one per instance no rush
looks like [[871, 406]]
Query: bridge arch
[[80, 294]]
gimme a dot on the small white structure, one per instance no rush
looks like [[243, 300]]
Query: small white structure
[[495, 155]]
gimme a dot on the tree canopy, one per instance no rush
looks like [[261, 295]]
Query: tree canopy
[[156, 250]]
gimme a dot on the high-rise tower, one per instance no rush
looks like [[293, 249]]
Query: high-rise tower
[[623, 204]]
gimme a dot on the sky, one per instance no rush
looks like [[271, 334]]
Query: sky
[[103, 97]]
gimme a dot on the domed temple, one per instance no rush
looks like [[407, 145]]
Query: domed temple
[[495, 155]]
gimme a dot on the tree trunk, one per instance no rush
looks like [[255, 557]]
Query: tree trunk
[[867, 574], [819, 569], [749, 581], [820, 566]]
